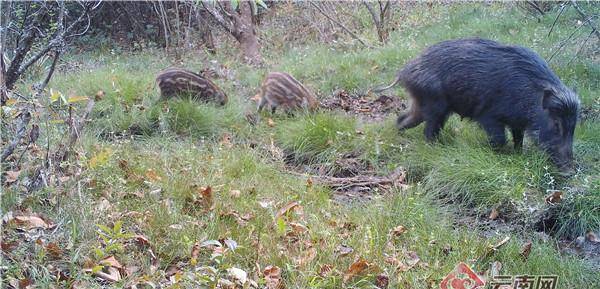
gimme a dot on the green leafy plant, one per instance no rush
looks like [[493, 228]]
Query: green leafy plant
[[113, 238]]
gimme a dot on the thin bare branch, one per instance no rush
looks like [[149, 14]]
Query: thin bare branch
[[24, 120], [562, 45], [340, 24], [562, 9], [218, 17], [586, 19]]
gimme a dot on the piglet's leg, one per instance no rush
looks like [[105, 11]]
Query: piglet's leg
[[261, 104]]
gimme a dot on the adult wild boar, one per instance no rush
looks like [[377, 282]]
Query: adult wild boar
[[495, 85]]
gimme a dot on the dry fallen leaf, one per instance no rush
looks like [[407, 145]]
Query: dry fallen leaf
[[495, 268], [239, 275], [195, 253], [242, 220], [152, 175], [265, 204], [392, 260], [273, 277], [11, 177], [54, 251], [206, 198], [103, 205], [447, 249], [7, 247], [141, 240], [412, 259], [525, 250], [309, 182], [297, 229], [355, 269], [231, 244], [32, 222], [176, 227], [111, 261], [110, 270], [343, 250], [226, 140], [153, 261], [399, 230], [291, 206], [493, 214], [500, 244], [590, 236], [64, 179], [325, 270], [235, 193], [99, 95], [382, 281], [554, 198], [306, 256], [113, 274], [21, 284]]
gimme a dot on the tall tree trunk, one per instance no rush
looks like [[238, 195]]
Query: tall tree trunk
[[244, 33], [239, 23], [250, 47], [205, 32], [380, 16]]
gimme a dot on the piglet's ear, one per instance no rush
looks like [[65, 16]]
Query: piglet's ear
[[547, 98]]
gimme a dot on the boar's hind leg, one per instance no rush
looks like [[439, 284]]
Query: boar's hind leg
[[495, 131], [517, 134], [435, 112], [433, 124], [409, 119]]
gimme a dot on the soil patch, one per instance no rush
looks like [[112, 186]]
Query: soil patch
[[368, 107], [588, 248]]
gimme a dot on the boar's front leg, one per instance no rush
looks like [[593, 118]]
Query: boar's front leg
[[495, 131], [517, 134]]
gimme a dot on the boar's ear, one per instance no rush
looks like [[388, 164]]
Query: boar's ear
[[547, 98]]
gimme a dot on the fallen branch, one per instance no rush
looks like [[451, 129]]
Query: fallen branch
[[362, 182]]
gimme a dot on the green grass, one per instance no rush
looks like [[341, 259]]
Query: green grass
[[316, 138], [148, 177], [172, 229]]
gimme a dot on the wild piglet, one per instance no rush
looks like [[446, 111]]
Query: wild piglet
[[280, 89], [174, 82]]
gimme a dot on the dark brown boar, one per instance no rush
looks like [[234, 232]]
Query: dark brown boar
[[280, 89], [174, 82]]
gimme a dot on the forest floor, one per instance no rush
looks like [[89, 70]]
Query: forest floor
[[193, 195]]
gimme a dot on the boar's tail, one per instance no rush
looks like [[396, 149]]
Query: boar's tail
[[380, 88]]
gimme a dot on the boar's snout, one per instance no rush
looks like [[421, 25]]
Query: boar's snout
[[563, 158]]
